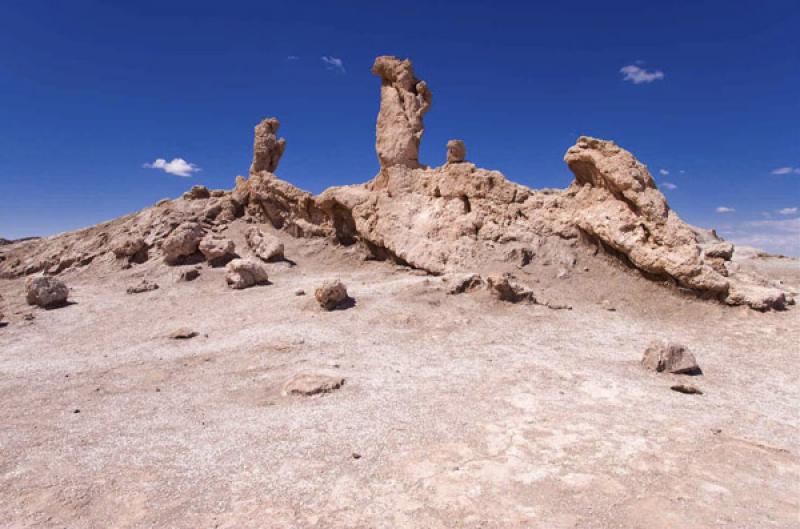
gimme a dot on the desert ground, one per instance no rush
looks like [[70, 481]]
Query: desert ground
[[456, 411]]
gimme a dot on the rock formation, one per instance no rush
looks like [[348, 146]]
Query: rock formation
[[404, 102], [265, 246], [663, 356], [267, 148], [456, 218]]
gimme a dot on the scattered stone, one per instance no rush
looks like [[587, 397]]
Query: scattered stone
[[312, 384], [456, 151], [245, 273], [686, 388], [331, 294], [143, 286], [267, 247], [46, 291], [267, 148], [461, 283], [356, 455], [607, 305], [217, 250], [663, 356], [562, 274], [504, 289], [189, 275], [76, 410], [299, 292], [28, 317], [183, 333], [182, 242]]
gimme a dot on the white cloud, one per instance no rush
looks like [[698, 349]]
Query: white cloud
[[778, 236], [724, 209], [787, 211], [786, 170], [682, 171], [333, 63], [178, 166], [638, 75], [663, 172], [669, 185], [292, 58]]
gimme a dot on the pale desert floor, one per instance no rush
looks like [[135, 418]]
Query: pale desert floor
[[465, 411]]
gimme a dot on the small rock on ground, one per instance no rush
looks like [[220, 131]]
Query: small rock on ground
[[183, 333], [671, 357], [312, 384]]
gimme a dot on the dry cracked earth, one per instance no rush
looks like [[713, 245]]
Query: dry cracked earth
[[456, 411]]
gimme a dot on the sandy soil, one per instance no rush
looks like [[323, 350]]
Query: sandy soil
[[457, 411]]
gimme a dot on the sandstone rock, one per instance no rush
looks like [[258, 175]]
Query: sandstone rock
[[624, 210], [722, 250], [686, 388], [671, 357], [267, 148], [46, 291], [189, 275], [757, 297], [197, 192], [265, 246], [456, 151], [312, 384], [244, 273], [217, 250], [461, 283], [183, 333], [182, 242], [143, 286], [331, 294], [132, 248], [404, 102], [505, 289]]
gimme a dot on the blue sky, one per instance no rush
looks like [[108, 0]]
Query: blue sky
[[92, 91]]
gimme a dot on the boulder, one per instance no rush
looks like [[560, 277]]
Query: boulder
[[663, 356], [46, 291], [267, 148], [758, 297], [312, 384], [265, 246], [331, 294], [456, 151], [404, 102], [244, 273], [183, 242], [189, 275], [217, 250], [504, 288]]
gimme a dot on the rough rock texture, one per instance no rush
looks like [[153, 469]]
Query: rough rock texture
[[462, 283], [312, 384], [197, 192], [670, 357], [131, 248], [456, 151], [331, 294], [265, 246], [267, 148], [404, 102], [45, 291], [217, 249], [623, 208], [505, 289], [244, 273], [182, 243]]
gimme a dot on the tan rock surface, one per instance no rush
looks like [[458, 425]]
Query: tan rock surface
[[267, 148], [245, 273]]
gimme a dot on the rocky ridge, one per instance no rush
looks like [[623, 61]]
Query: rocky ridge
[[455, 218]]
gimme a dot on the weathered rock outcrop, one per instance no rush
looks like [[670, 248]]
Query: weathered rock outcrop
[[217, 249], [404, 102], [456, 151], [265, 246], [182, 243], [267, 148]]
